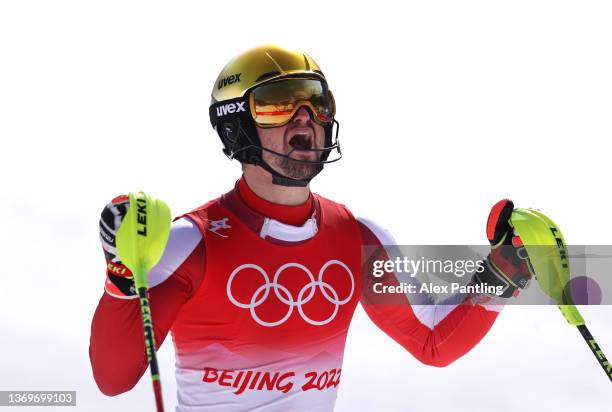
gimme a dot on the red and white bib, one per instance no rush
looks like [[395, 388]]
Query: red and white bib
[[268, 324]]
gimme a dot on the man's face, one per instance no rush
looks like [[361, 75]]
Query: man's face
[[295, 139]]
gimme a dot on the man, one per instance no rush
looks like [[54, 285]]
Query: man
[[259, 285]]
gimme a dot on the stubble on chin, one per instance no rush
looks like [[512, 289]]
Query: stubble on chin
[[299, 170], [292, 168]]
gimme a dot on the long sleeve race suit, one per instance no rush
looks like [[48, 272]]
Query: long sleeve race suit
[[259, 309]]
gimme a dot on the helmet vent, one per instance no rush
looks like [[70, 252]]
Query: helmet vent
[[306, 62], [280, 69]]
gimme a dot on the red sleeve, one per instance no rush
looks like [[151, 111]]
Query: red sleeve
[[117, 348], [436, 335]]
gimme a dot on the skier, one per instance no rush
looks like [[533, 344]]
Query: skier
[[258, 286]]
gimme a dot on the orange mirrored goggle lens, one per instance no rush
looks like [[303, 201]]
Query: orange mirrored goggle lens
[[275, 104]]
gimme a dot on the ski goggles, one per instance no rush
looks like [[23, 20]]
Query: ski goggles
[[275, 103]]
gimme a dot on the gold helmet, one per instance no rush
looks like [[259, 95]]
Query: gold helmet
[[265, 87]]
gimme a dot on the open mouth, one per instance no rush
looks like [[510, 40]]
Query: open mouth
[[301, 141]]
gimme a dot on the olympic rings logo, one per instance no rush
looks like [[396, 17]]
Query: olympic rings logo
[[284, 295]]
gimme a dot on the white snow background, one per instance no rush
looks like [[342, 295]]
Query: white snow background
[[445, 107]]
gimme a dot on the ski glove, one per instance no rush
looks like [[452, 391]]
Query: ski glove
[[119, 279], [507, 265]]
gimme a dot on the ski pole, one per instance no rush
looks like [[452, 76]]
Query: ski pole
[[141, 241], [573, 317]]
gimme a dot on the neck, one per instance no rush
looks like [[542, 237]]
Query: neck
[[260, 182]]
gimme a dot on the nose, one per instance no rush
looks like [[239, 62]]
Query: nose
[[302, 115]]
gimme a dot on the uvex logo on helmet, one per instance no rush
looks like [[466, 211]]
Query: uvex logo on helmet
[[234, 78], [230, 108]]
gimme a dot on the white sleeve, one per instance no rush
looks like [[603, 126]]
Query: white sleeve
[[184, 237]]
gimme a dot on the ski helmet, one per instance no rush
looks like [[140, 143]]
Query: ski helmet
[[258, 88]]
